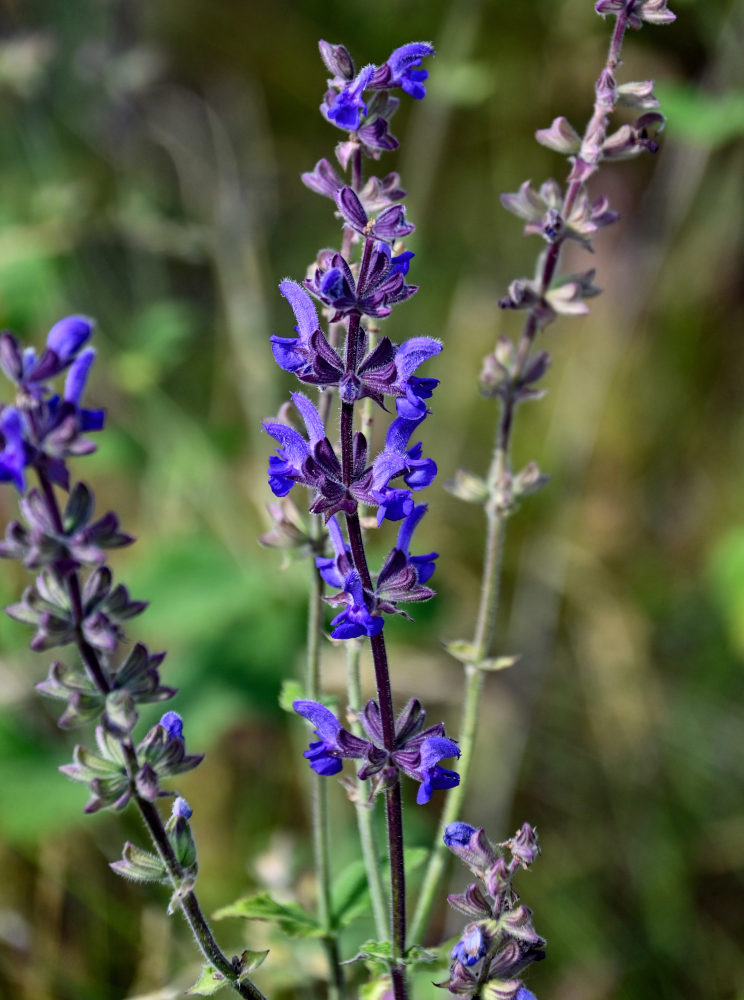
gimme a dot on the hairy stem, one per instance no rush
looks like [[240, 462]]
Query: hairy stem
[[393, 804], [365, 811], [473, 688], [319, 796]]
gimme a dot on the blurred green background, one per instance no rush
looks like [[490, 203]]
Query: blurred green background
[[149, 176]]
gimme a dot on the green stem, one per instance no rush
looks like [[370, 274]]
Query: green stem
[[498, 512], [472, 694], [319, 802], [366, 811]]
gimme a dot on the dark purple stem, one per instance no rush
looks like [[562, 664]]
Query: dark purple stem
[[150, 815], [393, 802]]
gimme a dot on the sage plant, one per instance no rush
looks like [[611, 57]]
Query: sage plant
[[74, 603], [358, 285], [511, 374]]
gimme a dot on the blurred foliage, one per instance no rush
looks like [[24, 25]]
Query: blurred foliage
[[149, 162]]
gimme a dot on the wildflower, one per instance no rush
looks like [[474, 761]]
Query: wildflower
[[400, 70], [346, 108], [327, 754], [172, 723], [416, 752], [383, 284], [357, 618], [181, 809], [638, 11], [471, 947], [14, 455], [390, 225]]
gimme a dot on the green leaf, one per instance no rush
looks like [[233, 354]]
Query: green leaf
[[418, 955], [468, 487], [290, 917], [377, 953], [139, 865], [461, 649], [291, 691], [209, 982], [250, 961], [498, 662]]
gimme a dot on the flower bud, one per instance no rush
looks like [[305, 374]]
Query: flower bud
[[561, 136], [471, 845], [337, 59]]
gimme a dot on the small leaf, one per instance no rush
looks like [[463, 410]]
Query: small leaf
[[139, 865], [498, 662], [378, 953], [468, 487], [417, 955], [250, 961], [290, 917], [182, 891], [461, 649], [209, 982], [291, 691]]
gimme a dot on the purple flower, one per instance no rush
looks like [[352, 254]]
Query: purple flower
[[458, 834], [471, 845], [343, 109], [396, 460], [416, 752], [181, 809], [423, 565], [471, 947], [428, 771], [63, 342], [414, 390], [356, 619], [334, 742], [400, 70], [390, 225], [653, 11], [325, 754], [323, 179], [334, 569], [172, 723], [304, 354], [68, 335], [376, 137], [383, 284], [524, 845], [14, 455], [374, 196], [314, 463]]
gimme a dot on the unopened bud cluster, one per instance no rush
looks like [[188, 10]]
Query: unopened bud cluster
[[500, 942]]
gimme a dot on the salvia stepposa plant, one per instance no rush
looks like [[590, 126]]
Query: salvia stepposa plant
[[353, 379]]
